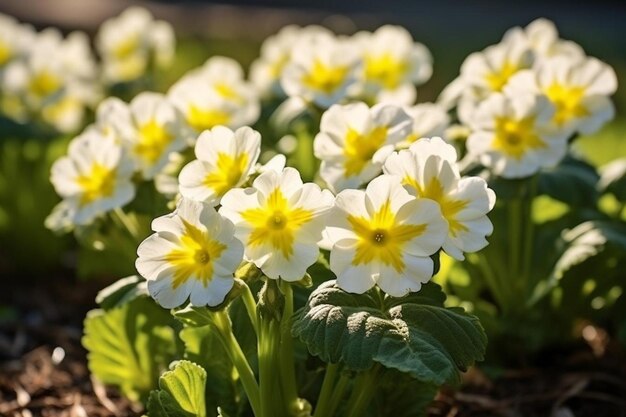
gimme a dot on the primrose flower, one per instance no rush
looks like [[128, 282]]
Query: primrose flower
[[323, 70], [354, 141], [150, 128], [429, 119], [384, 236], [192, 255], [543, 38], [428, 170], [216, 94], [578, 88], [15, 40], [514, 136], [393, 65], [94, 177], [131, 42], [486, 72], [224, 161], [279, 220], [266, 71]]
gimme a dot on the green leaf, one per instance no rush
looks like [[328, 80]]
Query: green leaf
[[415, 334], [180, 393], [129, 346], [203, 347], [613, 179], [399, 395], [121, 292], [572, 181]]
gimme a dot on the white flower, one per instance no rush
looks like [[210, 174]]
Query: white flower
[[428, 170], [578, 88], [384, 236], [513, 136], [393, 65], [224, 161], [15, 40], [323, 70], [429, 119], [151, 129], [486, 72], [276, 50], [543, 38], [279, 220], [192, 255], [56, 80], [355, 140], [130, 42], [94, 177], [216, 94]]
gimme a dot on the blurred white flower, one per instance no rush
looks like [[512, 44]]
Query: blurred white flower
[[428, 170], [429, 119], [384, 236], [323, 69], [355, 140], [216, 94], [129, 43], [580, 90], [192, 255], [94, 177], [279, 220], [392, 65], [224, 161], [513, 136]]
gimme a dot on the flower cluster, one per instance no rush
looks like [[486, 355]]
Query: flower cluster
[[314, 65], [523, 98], [53, 80], [384, 235]]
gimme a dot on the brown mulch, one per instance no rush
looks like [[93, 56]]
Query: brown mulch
[[43, 368]]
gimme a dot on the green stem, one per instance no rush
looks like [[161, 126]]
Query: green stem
[[338, 392], [250, 303], [529, 235], [304, 152], [362, 392], [130, 225], [238, 358], [514, 211], [271, 393], [286, 357], [491, 279], [324, 401]]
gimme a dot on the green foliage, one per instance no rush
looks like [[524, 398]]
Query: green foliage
[[399, 395], [130, 345], [180, 393], [415, 334]]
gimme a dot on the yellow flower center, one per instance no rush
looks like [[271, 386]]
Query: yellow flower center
[[325, 78], [153, 140], [126, 47], [227, 91], [229, 172], [5, 53], [568, 102], [516, 137], [195, 256], [205, 119], [450, 207], [44, 84], [497, 79], [98, 183], [381, 238], [276, 67], [360, 148], [385, 70], [276, 223]]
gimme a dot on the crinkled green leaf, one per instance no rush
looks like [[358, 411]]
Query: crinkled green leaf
[[414, 334], [613, 179], [129, 346], [399, 395], [180, 393], [202, 346]]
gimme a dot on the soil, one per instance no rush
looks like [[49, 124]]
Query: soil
[[43, 368]]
